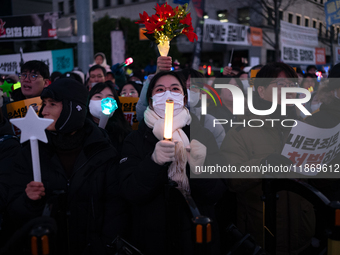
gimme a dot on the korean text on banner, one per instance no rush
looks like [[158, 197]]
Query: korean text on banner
[[129, 110], [225, 33], [56, 60], [34, 26], [307, 145], [298, 54], [19, 109], [291, 34]]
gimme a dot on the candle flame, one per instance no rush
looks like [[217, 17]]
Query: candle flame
[[168, 119]]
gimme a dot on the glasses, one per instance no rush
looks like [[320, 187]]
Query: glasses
[[286, 84], [160, 90], [99, 76], [32, 76], [124, 94]]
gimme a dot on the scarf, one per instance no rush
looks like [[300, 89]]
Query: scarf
[[177, 169]]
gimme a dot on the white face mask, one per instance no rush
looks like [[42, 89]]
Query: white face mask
[[96, 108], [194, 97], [158, 103], [314, 107]]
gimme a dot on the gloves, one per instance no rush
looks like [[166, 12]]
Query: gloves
[[116, 70], [275, 159], [196, 155], [164, 152]]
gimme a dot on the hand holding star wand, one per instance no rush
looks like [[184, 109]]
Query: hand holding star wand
[[33, 129]]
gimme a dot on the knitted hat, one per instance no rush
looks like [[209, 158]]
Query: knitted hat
[[333, 74], [74, 96]]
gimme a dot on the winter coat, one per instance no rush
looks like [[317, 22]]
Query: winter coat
[[91, 200], [247, 146], [9, 150], [160, 216]]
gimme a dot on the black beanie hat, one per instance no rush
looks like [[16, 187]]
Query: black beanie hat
[[333, 74], [74, 96]]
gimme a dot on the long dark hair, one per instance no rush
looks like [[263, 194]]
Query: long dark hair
[[117, 126]]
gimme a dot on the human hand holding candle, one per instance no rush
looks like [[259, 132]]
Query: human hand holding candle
[[33, 128], [168, 119], [109, 105], [164, 63]]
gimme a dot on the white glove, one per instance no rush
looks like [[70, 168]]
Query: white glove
[[164, 152], [196, 155]]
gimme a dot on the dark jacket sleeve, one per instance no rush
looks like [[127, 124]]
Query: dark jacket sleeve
[[20, 207], [141, 179]]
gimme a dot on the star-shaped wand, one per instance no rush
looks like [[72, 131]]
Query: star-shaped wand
[[6, 87], [33, 129]]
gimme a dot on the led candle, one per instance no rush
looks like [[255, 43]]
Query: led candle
[[168, 119]]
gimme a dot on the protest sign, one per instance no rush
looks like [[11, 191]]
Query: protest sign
[[310, 148], [19, 109], [129, 110]]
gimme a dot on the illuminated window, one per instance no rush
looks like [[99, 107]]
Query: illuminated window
[[243, 16], [222, 16]]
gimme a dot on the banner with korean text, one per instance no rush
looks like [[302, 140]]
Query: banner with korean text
[[291, 34], [215, 31], [129, 110], [311, 149], [56, 60], [19, 109], [29, 27], [297, 54]]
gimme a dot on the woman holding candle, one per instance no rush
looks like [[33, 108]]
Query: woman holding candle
[[151, 168], [79, 164], [117, 127]]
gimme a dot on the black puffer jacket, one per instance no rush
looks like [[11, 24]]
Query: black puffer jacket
[[96, 213], [9, 149], [160, 216]]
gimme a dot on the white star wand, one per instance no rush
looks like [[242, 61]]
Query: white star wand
[[33, 128]]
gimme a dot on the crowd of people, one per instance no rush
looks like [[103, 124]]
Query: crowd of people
[[102, 183]]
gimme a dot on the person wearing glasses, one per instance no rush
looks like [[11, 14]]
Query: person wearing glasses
[[96, 74], [34, 77], [130, 89], [246, 146], [151, 168]]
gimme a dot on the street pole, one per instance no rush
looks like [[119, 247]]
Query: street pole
[[332, 39], [85, 34]]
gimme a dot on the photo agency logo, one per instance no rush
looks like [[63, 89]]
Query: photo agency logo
[[281, 94]]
